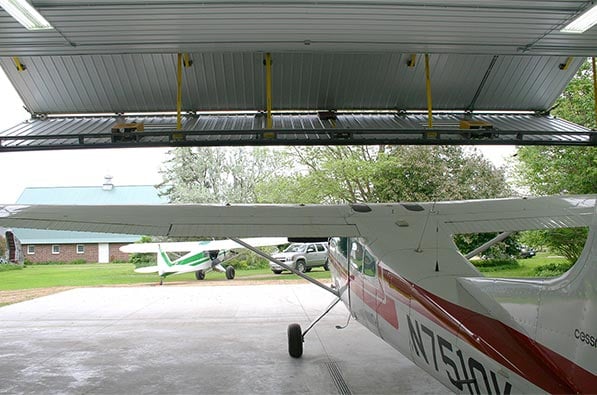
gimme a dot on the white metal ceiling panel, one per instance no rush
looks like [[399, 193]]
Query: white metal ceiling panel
[[223, 81]]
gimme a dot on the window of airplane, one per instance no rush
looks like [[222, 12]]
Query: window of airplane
[[356, 255], [369, 264], [31, 249], [80, 248], [339, 250], [55, 249]]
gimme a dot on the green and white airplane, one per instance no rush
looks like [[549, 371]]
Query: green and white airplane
[[201, 256]]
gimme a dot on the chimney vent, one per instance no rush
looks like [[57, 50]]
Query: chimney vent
[[108, 186]]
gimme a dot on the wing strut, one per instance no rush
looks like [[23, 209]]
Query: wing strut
[[293, 270], [485, 246]]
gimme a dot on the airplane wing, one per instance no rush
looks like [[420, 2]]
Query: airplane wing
[[198, 246], [188, 220], [305, 220], [502, 215]]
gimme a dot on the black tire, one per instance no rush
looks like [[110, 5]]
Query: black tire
[[295, 340], [300, 266], [326, 266], [308, 269], [277, 271], [230, 272], [200, 275]]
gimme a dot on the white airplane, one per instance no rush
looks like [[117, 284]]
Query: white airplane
[[201, 258], [397, 270]]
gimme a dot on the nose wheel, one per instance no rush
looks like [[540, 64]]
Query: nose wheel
[[295, 340]]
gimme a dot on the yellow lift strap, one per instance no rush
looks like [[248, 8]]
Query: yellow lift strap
[[428, 87], [179, 93], [565, 65], [20, 66], [268, 88], [186, 60]]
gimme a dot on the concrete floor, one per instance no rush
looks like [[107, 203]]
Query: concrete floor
[[194, 339]]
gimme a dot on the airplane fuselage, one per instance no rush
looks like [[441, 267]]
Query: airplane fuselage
[[466, 351]]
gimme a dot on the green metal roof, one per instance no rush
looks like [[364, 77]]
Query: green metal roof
[[129, 194]]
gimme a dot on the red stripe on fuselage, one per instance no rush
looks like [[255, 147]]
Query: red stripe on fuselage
[[512, 349]]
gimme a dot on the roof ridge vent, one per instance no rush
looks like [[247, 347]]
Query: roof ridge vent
[[107, 185]]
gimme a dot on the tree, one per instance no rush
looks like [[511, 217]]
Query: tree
[[216, 175], [552, 170], [424, 173], [385, 174]]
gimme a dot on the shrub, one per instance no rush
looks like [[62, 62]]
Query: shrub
[[552, 269], [246, 260], [142, 259], [249, 262], [495, 264]]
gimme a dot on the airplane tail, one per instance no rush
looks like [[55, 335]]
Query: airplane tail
[[567, 313], [558, 315], [164, 261], [15, 251]]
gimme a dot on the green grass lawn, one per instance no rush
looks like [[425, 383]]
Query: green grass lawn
[[92, 274]]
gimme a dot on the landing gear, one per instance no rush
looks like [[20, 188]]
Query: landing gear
[[295, 340], [230, 272], [296, 336], [161, 280], [200, 275]]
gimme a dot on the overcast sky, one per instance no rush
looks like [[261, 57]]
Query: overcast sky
[[130, 166]]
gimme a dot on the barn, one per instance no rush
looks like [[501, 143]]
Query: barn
[[65, 246]]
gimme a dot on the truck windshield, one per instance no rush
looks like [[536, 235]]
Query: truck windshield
[[296, 248]]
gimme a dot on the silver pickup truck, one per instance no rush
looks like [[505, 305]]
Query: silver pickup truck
[[302, 256]]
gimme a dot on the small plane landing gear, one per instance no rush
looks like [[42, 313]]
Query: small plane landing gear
[[230, 272], [200, 275], [295, 340], [296, 336], [161, 280]]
